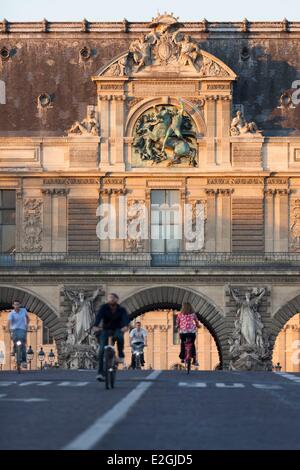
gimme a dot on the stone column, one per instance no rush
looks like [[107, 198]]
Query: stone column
[[269, 220], [150, 348], [47, 220], [225, 135], [211, 220], [104, 119], [117, 126], [163, 346], [284, 220], [211, 103], [206, 355]]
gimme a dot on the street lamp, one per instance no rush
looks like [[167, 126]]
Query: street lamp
[[1, 360], [51, 357], [30, 355], [41, 357]]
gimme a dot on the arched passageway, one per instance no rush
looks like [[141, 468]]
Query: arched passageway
[[35, 305], [171, 298]]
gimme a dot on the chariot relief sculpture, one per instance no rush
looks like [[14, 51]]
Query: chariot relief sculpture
[[88, 126], [249, 348], [165, 135]]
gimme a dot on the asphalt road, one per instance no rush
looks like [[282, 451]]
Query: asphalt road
[[59, 409]]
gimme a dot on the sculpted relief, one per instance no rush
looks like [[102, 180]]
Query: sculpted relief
[[165, 44], [164, 135]]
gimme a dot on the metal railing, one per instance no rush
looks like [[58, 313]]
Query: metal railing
[[139, 260]]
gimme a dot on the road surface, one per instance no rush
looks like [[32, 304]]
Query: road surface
[[156, 410]]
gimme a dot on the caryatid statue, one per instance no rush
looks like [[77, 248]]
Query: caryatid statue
[[82, 312], [248, 321]]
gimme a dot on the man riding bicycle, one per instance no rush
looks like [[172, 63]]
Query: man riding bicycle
[[187, 324], [17, 324], [138, 337], [111, 320]]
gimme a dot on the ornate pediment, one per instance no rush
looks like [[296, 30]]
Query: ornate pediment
[[166, 48]]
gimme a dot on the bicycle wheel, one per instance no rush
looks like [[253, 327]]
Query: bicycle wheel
[[112, 378], [106, 369], [188, 365], [18, 359]]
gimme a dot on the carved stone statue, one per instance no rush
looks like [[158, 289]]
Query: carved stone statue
[[136, 233], [188, 49], [79, 350], [166, 133], [83, 314], [249, 349], [240, 126], [89, 125]]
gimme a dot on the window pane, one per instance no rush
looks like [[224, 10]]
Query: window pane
[[8, 199], [173, 197], [8, 217], [158, 196], [7, 238]]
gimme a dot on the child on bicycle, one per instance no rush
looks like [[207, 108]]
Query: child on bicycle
[[187, 324]]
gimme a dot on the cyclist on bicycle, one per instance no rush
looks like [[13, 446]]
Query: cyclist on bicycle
[[17, 324], [138, 337], [187, 324], [111, 320]]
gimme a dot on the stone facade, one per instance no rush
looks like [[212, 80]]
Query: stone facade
[[125, 109]]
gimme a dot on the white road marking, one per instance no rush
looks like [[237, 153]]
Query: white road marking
[[35, 382], [96, 431], [72, 384], [267, 386], [294, 378], [192, 384], [6, 384], [233, 385], [23, 400]]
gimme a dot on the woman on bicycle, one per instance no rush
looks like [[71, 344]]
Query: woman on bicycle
[[187, 324]]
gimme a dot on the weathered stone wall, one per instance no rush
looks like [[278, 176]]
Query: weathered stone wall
[[51, 63]]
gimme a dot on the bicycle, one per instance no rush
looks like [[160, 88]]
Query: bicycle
[[18, 354], [188, 346], [110, 364]]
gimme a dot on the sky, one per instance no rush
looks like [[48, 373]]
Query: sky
[[144, 10]]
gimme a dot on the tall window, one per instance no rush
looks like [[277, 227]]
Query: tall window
[[166, 227], [7, 220], [47, 337]]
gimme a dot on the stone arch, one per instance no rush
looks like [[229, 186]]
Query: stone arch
[[36, 305], [192, 109], [282, 316], [163, 297]]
